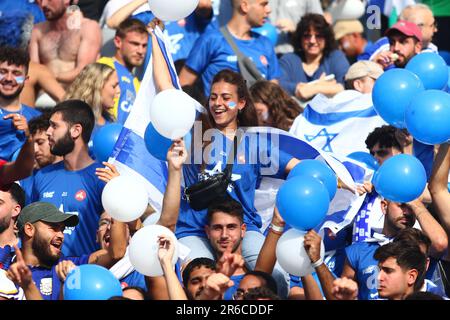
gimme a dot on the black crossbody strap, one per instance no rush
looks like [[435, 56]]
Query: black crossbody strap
[[231, 157]]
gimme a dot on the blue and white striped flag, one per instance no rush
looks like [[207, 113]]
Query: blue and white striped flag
[[130, 154], [339, 125], [344, 206]]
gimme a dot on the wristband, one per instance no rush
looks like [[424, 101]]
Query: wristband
[[276, 228], [318, 263]]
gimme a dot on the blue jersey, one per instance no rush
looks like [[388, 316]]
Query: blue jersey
[[13, 7], [425, 154], [47, 280], [27, 186], [75, 192], [228, 295], [134, 279], [213, 53], [360, 257], [11, 139], [245, 180], [292, 72]]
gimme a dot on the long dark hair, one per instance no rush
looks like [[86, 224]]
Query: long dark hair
[[247, 116], [282, 108], [318, 23]]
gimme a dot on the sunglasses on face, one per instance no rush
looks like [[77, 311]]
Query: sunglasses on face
[[380, 153], [309, 36]]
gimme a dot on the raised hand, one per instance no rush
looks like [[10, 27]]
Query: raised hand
[[166, 249], [215, 287], [312, 242], [18, 272], [108, 173], [345, 289], [19, 122], [63, 268], [229, 263], [177, 155]]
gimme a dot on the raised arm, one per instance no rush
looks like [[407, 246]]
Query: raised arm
[[312, 243], [165, 254], [438, 185], [123, 13], [47, 81], [161, 73], [267, 256], [22, 167], [176, 156], [88, 51], [430, 227], [34, 44]]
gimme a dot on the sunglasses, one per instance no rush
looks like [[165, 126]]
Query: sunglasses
[[380, 153], [308, 36]]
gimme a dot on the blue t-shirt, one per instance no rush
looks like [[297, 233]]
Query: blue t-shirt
[[228, 295], [246, 178], [11, 139], [292, 71], [360, 257], [75, 192], [213, 53], [134, 279], [47, 280]]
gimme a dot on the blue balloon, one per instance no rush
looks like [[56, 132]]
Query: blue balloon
[[401, 178], [91, 282], [156, 144], [428, 117], [268, 30], [318, 170], [104, 141], [303, 202], [430, 68], [365, 158], [393, 92]]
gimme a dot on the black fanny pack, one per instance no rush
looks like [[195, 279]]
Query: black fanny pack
[[203, 193]]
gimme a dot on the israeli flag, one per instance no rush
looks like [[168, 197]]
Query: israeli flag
[[130, 154], [344, 206], [338, 125]]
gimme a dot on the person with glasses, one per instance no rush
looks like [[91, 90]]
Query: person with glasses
[[383, 143], [316, 58]]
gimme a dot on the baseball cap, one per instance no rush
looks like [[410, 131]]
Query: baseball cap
[[407, 28], [344, 27], [363, 68], [47, 212]]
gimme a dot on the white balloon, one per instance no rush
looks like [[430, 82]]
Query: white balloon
[[152, 219], [124, 198], [144, 250], [291, 254], [172, 113], [347, 9], [172, 10]]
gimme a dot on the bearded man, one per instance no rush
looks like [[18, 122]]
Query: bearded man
[[71, 185]]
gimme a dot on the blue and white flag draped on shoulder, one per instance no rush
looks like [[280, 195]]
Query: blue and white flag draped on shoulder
[[339, 125], [130, 154], [344, 206]]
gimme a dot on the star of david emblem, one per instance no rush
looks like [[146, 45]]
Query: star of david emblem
[[323, 133]]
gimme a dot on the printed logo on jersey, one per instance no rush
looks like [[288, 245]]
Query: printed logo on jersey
[[263, 60], [45, 286], [48, 194], [232, 59], [80, 195]]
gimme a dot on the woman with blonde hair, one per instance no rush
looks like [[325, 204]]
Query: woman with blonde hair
[[98, 86]]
